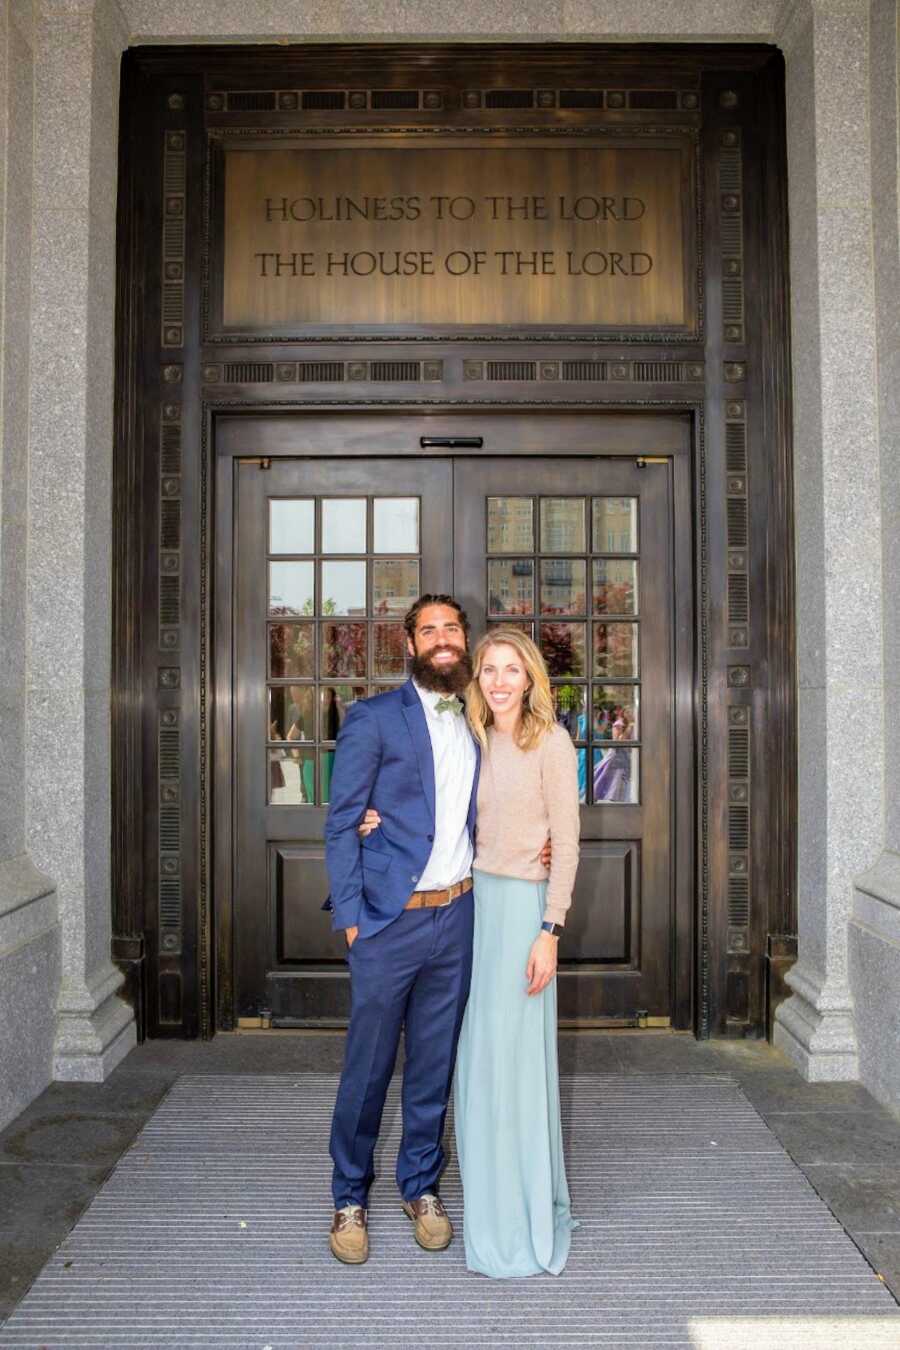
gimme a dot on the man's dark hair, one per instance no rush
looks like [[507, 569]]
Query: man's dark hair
[[412, 614]]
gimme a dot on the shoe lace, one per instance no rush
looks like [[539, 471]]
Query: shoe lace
[[430, 1204], [350, 1215]]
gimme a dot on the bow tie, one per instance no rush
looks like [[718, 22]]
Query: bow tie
[[452, 703]]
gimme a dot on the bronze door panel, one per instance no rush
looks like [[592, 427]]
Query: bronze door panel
[[597, 534], [317, 623]]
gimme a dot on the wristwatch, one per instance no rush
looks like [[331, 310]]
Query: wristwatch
[[554, 929]]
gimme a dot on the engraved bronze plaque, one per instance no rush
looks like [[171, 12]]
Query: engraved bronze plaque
[[534, 234]]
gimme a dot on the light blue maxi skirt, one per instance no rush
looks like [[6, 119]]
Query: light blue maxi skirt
[[517, 1215]]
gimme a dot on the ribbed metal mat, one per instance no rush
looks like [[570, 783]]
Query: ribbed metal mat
[[696, 1230]]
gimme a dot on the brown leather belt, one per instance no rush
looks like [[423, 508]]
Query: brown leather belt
[[433, 899]]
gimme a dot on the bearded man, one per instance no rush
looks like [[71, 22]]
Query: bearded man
[[403, 897]]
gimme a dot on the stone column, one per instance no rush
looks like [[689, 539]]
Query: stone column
[[29, 930], [839, 613], [875, 924], [78, 45]]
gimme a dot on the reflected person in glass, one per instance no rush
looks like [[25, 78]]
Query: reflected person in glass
[[612, 773]]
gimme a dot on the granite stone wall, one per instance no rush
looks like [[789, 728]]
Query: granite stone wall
[[29, 927], [875, 921]]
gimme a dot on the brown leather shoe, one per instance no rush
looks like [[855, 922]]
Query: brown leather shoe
[[349, 1238], [434, 1230]]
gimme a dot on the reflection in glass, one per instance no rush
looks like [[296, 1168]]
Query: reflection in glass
[[615, 525], [582, 775], [616, 712], [326, 764], [563, 647], [343, 524], [396, 525], [615, 650], [562, 525], [344, 650], [395, 585], [615, 586], [291, 650], [343, 588], [563, 586], [511, 586], [510, 527], [616, 775], [569, 703], [290, 588], [291, 526], [292, 777], [334, 700], [390, 649], [291, 713]]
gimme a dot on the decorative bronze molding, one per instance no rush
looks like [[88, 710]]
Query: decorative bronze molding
[[173, 237], [337, 100], [731, 234], [377, 371]]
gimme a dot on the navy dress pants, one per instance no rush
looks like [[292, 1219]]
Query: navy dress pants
[[412, 976]]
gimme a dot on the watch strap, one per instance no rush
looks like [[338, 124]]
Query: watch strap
[[555, 929]]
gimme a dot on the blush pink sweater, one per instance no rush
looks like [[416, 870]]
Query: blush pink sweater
[[524, 796]]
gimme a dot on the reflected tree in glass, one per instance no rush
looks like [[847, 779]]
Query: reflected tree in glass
[[563, 647], [344, 649], [291, 648]]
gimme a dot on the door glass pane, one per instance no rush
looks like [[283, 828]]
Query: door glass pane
[[615, 650], [292, 777], [334, 700], [344, 588], [390, 649], [396, 525], [569, 701], [291, 713], [326, 764], [615, 525], [510, 525], [343, 525], [344, 649], [511, 586], [615, 775], [615, 586], [292, 526], [562, 525], [563, 647], [291, 650], [563, 586], [582, 758], [290, 588], [616, 712], [395, 585]]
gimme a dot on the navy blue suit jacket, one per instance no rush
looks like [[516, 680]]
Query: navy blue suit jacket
[[383, 760]]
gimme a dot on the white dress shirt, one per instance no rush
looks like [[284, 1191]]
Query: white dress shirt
[[454, 773]]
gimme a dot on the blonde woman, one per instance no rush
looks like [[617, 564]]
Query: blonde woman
[[517, 1217]]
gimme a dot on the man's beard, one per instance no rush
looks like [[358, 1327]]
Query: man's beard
[[440, 679]]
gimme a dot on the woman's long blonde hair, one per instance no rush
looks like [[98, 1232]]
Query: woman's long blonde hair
[[538, 716]]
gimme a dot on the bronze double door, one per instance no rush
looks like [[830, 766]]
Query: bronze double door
[[327, 554]]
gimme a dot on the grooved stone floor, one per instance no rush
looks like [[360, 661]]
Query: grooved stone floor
[[696, 1228], [210, 1233]]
